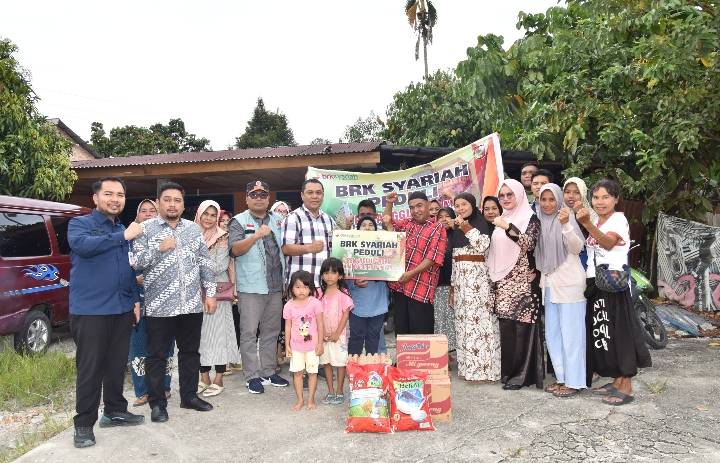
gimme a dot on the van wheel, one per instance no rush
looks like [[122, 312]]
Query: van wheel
[[35, 335]]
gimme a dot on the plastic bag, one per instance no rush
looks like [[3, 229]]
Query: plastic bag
[[410, 399], [369, 410]]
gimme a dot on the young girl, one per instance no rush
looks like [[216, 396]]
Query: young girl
[[303, 321], [336, 306]]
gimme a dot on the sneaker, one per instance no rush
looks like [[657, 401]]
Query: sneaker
[[329, 399], [120, 419], [255, 386], [338, 399], [83, 437], [275, 380]]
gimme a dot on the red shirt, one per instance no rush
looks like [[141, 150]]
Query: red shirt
[[423, 241]]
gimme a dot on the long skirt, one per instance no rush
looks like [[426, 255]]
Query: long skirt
[[616, 347], [478, 340], [218, 345], [565, 340], [522, 354], [444, 316]]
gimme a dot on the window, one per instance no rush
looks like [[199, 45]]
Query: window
[[23, 235], [60, 224]]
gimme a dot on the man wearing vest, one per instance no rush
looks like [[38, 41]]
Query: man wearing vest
[[255, 239]]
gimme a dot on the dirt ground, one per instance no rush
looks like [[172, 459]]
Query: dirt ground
[[675, 417]]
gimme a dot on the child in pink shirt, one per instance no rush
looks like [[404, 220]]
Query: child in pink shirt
[[336, 302], [303, 321]]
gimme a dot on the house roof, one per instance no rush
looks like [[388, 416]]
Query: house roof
[[227, 155], [73, 136]]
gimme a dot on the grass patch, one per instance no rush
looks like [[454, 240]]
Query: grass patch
[[27, 380], [29, 440]]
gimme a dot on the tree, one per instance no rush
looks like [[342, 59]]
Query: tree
[[422, 17], [157, 139], [435, 112], [364, 129], [34, 157], [320, 141], [266, 129], [610, 87]]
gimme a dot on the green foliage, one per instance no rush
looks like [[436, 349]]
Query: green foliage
[[435, 112], [364, 129], [34, 157], [610, 87], [266, 129], [422, 16], [157, 139]]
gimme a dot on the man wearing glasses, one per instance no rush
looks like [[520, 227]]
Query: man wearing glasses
[[255, 240], [526, 175]]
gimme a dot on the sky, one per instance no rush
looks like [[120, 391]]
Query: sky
[[322, 63]]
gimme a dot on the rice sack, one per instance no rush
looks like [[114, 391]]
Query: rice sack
[[369, 411], [409, 396]]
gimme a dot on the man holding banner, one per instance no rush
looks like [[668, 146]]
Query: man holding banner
[[425, 245]]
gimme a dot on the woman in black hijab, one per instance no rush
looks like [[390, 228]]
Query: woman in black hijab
[[444, 315], [476, 327]]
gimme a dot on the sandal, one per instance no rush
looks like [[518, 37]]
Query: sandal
[[213, 390], [140, 401], [329, 398], [201, 387], [551, 388], [624, 398], [605, 389], [566, 392], [168, 394]]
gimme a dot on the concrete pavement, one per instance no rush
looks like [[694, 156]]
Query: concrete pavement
[[675, 417]]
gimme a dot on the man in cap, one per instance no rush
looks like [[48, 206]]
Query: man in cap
[[255, 240]]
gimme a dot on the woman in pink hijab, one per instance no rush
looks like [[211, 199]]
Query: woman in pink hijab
[[511, 265]]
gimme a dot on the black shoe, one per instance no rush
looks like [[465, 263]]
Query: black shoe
[[83, 437], [159, 414], [512, 387], [197, 404], [120, 419]]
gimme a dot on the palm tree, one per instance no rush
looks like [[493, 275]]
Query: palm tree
[[422, 17]]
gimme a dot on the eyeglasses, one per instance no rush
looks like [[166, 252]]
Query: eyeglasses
[[506, 195], [259, 194]]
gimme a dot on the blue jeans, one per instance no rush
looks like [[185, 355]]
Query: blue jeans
[[136, 358], [367, 332]]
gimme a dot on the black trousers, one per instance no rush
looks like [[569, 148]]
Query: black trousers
[[103, 342], [365, 331], [411, 316], [186, 330]]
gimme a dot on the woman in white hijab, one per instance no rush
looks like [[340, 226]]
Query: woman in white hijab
[[575, 197], [563, 285], [218, 345]]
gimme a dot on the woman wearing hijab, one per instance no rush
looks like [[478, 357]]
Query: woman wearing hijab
[[147, 209], [575, 196], [281, 208], [563, 284], [218, 346], [476, 327], [444, 314], [516, 288]]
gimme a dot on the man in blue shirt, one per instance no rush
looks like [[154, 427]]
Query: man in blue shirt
[[104, 304]]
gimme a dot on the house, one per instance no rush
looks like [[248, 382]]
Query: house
[[81, 151]]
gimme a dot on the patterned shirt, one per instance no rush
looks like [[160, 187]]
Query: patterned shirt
[[174, 279], [302, 228], [423, 241]]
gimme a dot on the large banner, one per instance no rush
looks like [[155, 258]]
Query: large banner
[[689, 262], [476, 168], [370, 255]]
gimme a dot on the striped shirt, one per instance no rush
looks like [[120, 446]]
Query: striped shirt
[[301, 227]]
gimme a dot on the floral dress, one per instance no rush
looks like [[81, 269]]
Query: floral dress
[[476, 327]]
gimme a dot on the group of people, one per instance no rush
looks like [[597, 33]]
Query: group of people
[[486, 275]]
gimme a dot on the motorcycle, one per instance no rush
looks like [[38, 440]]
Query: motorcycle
[[653, 328]]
